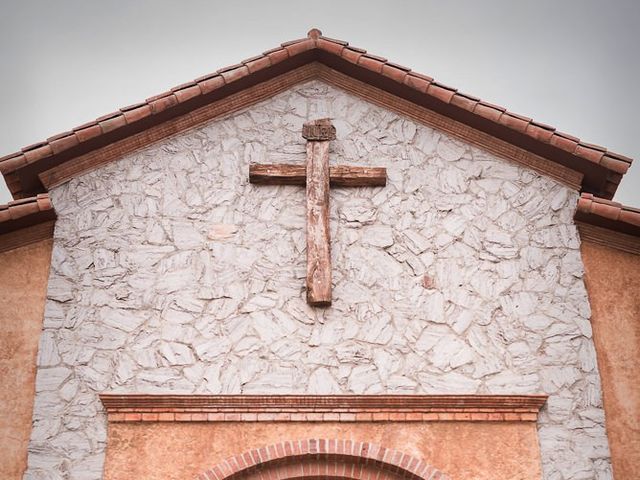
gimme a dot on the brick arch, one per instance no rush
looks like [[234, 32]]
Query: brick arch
[[323, 458]]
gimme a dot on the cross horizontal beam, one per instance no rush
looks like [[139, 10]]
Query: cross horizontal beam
[[339, 175]]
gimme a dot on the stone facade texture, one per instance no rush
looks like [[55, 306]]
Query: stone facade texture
[[171, 273]]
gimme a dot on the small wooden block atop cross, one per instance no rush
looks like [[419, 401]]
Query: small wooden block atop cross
[[318, 176]]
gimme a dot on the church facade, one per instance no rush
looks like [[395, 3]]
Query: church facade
[[461, 336]]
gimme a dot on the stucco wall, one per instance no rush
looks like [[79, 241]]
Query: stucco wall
[[23, 285], [462, 450], [171, 273], [613, 281]]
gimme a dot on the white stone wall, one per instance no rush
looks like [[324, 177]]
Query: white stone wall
[[171, 273]]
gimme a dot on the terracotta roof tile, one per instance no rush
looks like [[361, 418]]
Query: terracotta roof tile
[[235, 74], [351, 54], [593, 146], [376, 57], [619, 157], [539, 132], [543, 125], [516, 122], [162, 103], [333, 40], [211, 83], [591, 154], [18, 217], [88, 132], [228, 68], [394, 73], [187, 92], [355, 49], [422, 75], [112, 123], [568, 136], [488, 111], [608, 214], [398, 66], [371, 63], [630, 216], [257, 63], [251, 59], [12, 162], [272, 50], [331, 46], [36, 154], [292, 42], [108, 116], [24, 207], [564, 141], [314, 33], [158, 96], [463, 100], [133, 106], [33, 146], [138, 113], [417, 82], [441, 92], [300, 46], [277, 55], [613, 162], [64, 143]]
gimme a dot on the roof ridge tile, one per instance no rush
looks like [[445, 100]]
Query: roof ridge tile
[[33, 146], [329, 46], [334, 40], [356, 49], [293, 42], [229, 67], [133, 106], [543, 125]]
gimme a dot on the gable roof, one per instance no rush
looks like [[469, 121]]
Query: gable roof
[[595, 169]]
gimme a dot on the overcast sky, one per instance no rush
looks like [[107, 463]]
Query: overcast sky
[[573, 64]]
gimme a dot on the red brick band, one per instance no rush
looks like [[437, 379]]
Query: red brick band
[[322, 408], [323, 458]]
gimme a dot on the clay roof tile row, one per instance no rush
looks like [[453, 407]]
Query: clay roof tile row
[[616, 163], [25, 206], [591, 205], [26, 221]]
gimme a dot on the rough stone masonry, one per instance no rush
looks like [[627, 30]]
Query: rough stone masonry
[[171, 273]]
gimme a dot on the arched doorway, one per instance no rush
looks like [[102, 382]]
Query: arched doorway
[[323, 458]]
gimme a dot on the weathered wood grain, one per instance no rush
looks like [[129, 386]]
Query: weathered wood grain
[[339, 175], [318, 177], [277, 174], [348, 176], [318, 242]]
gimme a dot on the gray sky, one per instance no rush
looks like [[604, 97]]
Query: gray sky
[[573, 64]]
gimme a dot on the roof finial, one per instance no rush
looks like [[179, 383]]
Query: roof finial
[[314, 33]]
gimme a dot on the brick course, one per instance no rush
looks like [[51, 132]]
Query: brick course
[[318, 408], [322, 458]]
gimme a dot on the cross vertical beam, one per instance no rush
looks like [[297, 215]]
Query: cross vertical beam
[[318, 135]]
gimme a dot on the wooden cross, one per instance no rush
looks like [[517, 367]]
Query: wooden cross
[[318, 176]]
